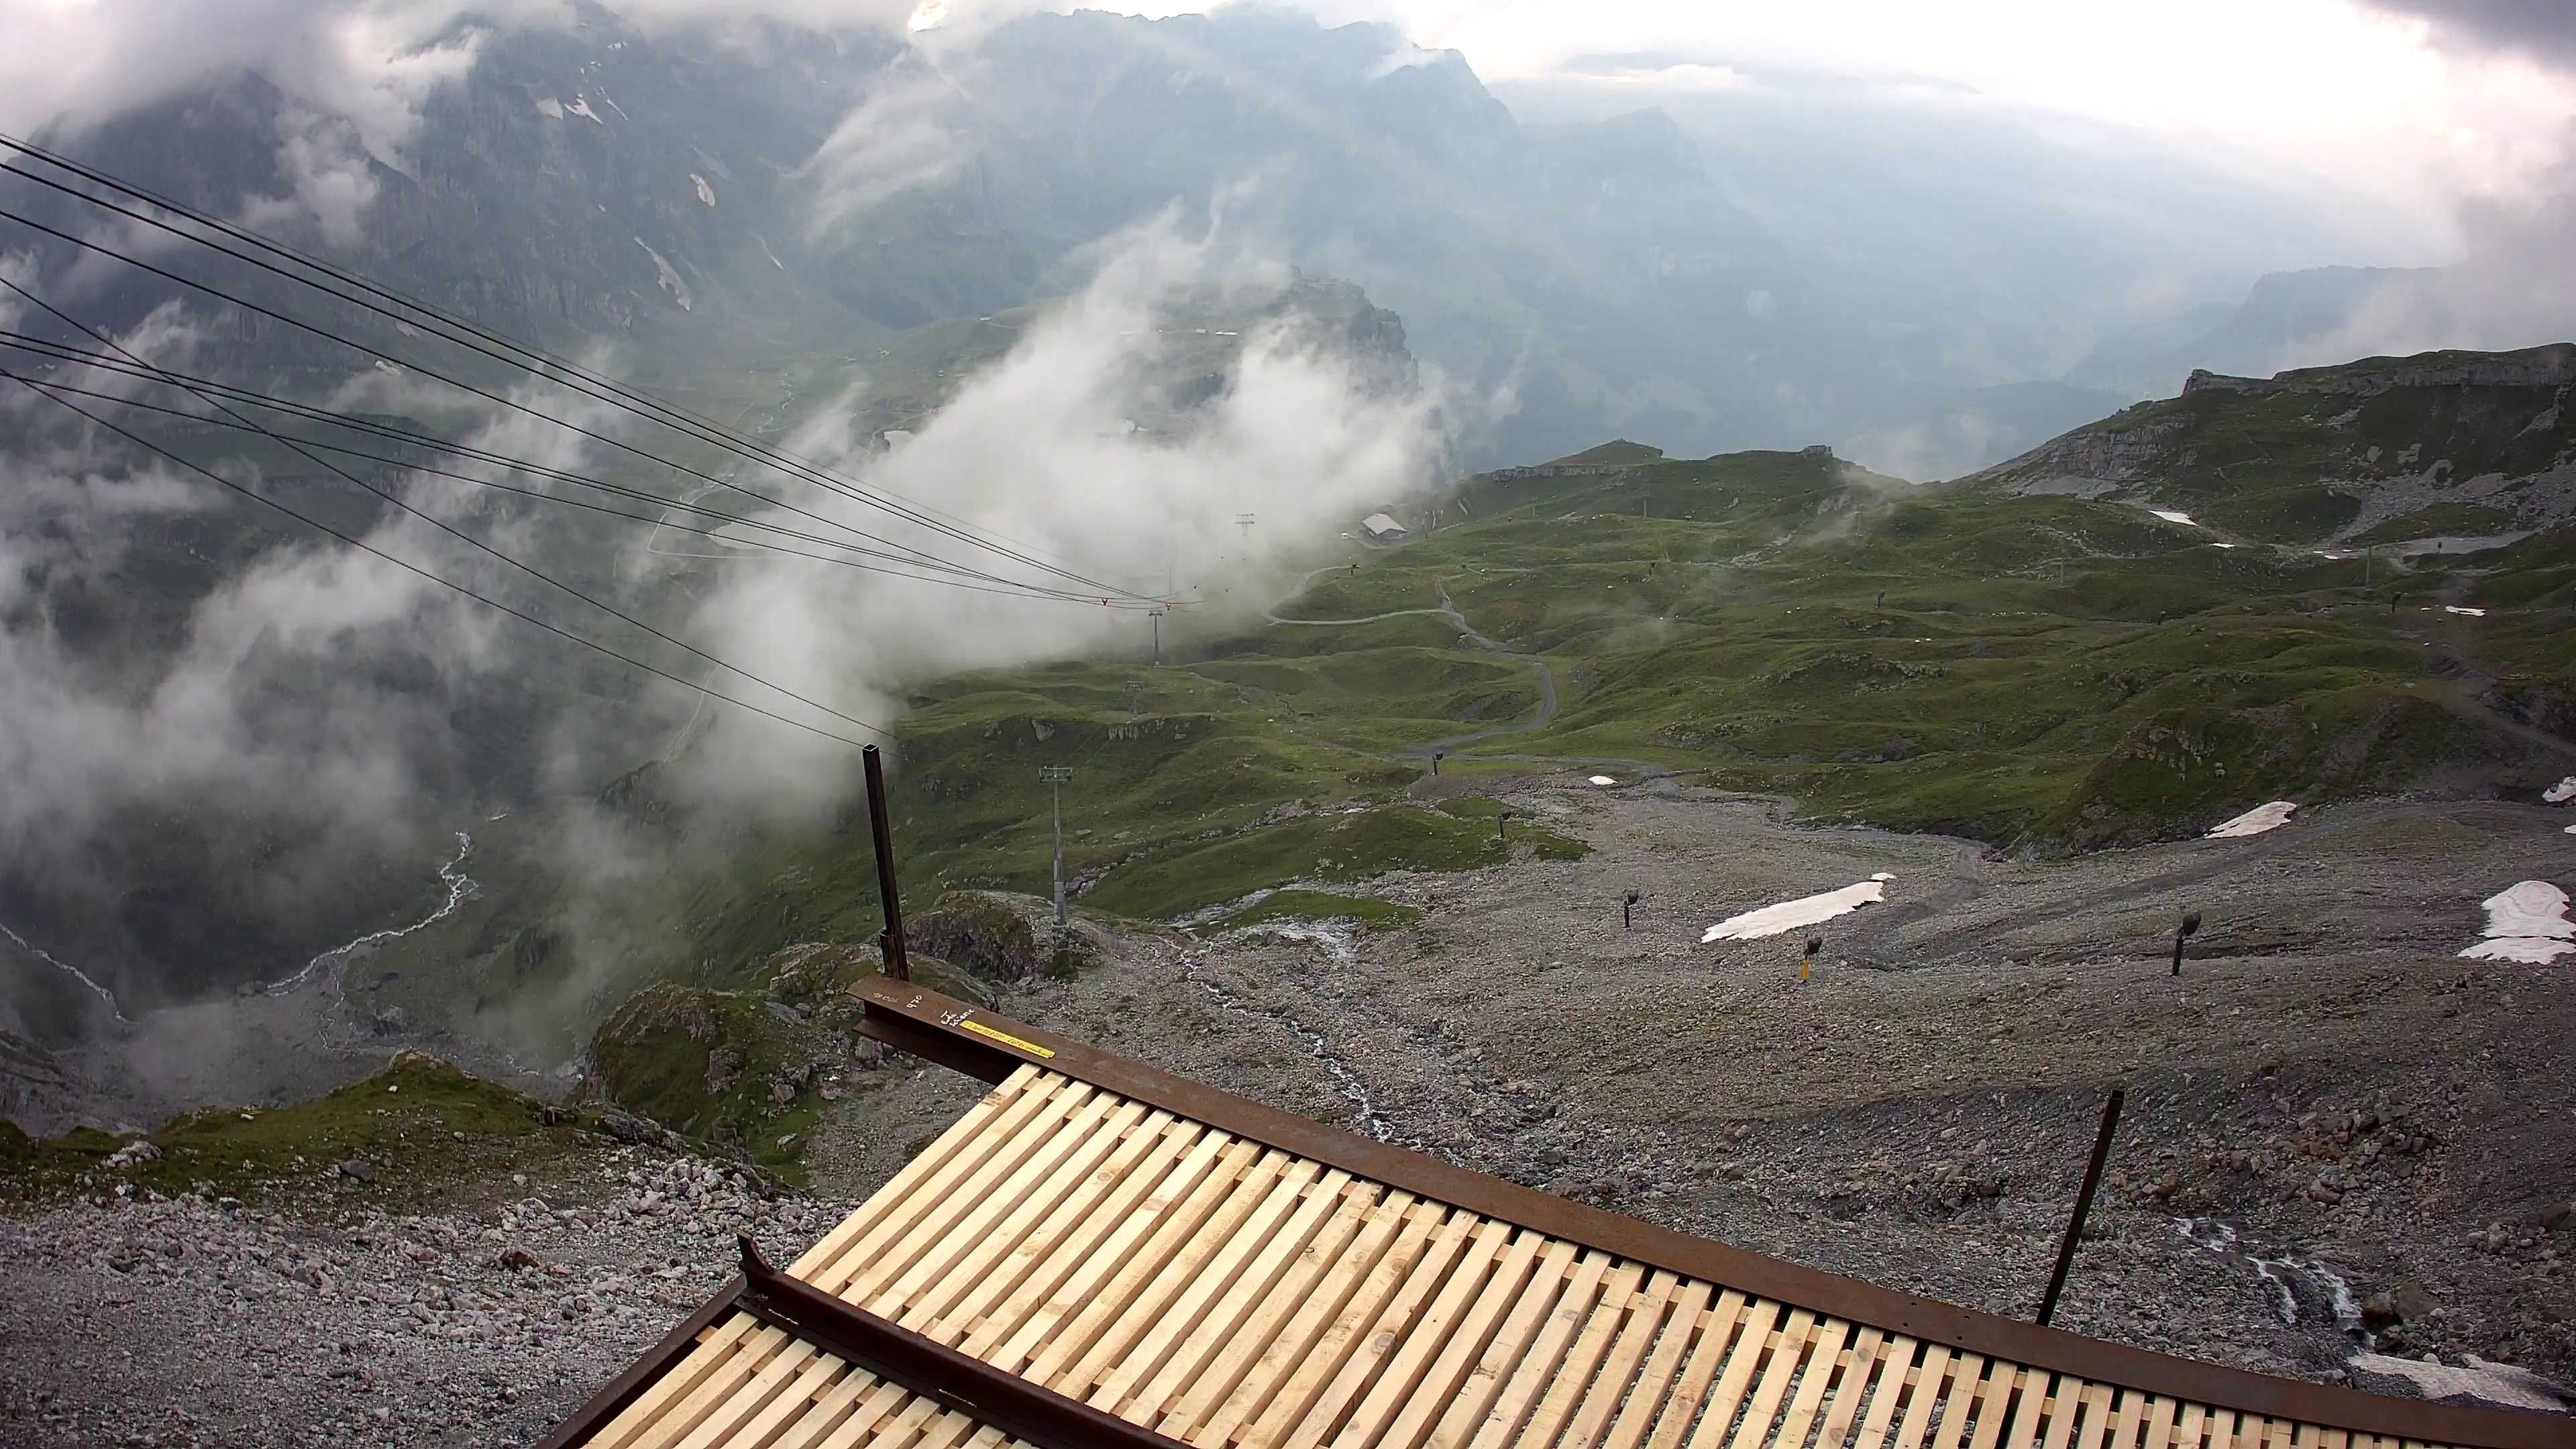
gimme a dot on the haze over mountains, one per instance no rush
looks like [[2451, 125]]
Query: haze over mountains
[[1769, 263], [1103, 282]]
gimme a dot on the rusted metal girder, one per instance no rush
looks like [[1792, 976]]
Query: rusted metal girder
[[992, 1396], [898, 963], [982, 1044]]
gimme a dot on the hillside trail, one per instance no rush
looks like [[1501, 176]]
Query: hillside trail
[[1447, 609]]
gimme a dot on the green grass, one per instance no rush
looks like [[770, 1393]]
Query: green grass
[[422, 1125], [1303, 905], [2048, 674], [1349, 847]]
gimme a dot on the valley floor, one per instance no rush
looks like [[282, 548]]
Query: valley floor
[[2330, 1115]]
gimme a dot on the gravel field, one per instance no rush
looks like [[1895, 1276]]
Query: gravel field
[[2344, 1148]]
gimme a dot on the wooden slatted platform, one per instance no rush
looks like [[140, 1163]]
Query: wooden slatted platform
[[1223, 1291]]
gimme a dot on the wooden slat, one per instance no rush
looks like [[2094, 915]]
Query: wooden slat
[[1185, 1281], [1788, 1356], [1610, 1384], [1292, 1351], [934, 1229], [1372, 1341], [1443, 1389], [1411, 1349], [1858, 1374], [1266, 1297], [736, 1369], [998, 1228], [2063, 1404], [1720, 1329], [1420, 1229], [1236, 1281], [2101, 1417], [828, 1414], [1967, 1387], [1239, 1297], [747, 1401], [1655, 1382], [715, 1348], [1583, 1360], [1537, 1367], [1928, 1381], [1505, 1347], [1822, 1366], [1092, 1245], [1891, 1387], [1103, 1283]]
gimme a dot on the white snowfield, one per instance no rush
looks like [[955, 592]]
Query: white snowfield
[[2562, 792], [2456, 609], [1603, 780], [1805, 911], [2526, 921], [2492, 1383], [2169, 516], [2256, 820]]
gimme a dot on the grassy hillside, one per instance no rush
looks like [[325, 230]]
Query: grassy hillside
[[2050, 674]]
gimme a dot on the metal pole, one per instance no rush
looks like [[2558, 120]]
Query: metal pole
[[1158, 638], [897, 964], [2190, 923], [1057, 775], [2083, 1205]]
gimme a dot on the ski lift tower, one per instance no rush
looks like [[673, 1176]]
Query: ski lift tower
[[1058, 776]]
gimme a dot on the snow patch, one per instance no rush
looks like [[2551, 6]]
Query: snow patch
[[1805, 911], [2489, 1383], [2562, 792], [2526, 921], [2255, 821], [1603, 780], [707, 193], [2456, 609], [550, 108], [2169, 516], [669, 280], [579, 107]]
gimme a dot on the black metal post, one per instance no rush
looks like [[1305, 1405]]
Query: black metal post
[[897, 964], [2190, 923], [1499, 821], [1626, 907], [2083, 1205]]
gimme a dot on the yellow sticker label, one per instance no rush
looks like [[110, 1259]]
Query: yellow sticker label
[[1005, 1038]]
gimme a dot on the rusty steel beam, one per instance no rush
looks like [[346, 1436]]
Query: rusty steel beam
[[881, 826], [2083, 1205], [991, 1396], [920, 1020], [640, 1375]]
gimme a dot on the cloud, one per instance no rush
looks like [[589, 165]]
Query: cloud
[[893, 142], [1303, 434], [2540, 30]]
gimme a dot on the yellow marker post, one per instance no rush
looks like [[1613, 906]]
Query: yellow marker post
[[1813, 942]]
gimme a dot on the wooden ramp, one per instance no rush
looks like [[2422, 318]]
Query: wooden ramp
[[1222, 1275]]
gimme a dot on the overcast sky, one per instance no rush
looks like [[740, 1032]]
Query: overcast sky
[[2422, 103]]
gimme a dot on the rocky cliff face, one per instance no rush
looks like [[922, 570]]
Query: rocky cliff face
[[2403, 451], [2532, 367]]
